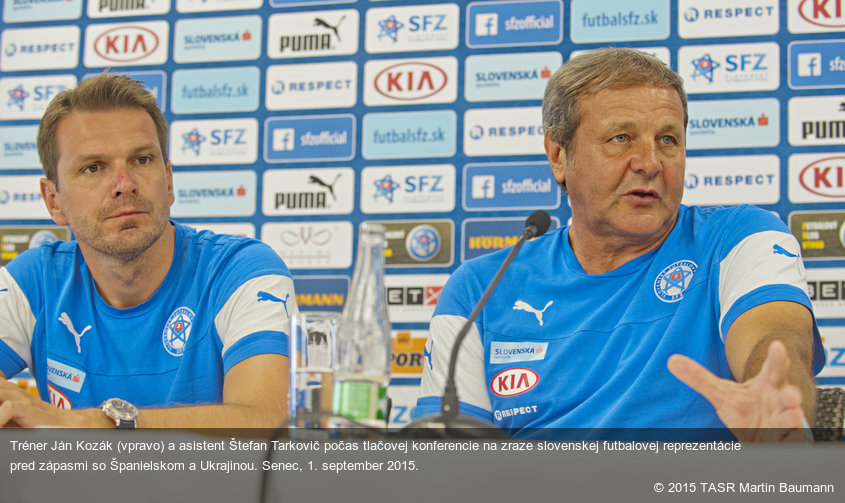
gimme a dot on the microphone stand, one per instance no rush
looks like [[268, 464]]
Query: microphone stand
[[449, 417]]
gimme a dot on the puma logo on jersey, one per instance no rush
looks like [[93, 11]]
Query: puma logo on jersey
[[264, 296], [780, 250], [65, 319], [524, 306], [427, 353]]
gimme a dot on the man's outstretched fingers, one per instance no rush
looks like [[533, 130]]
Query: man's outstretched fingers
[[698, 378]]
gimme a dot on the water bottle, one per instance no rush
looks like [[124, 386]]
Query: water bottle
[[363, 356]]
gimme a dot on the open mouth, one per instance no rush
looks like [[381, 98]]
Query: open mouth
[[643, 193]]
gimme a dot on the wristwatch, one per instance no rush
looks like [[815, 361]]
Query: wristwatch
[[123, 413]]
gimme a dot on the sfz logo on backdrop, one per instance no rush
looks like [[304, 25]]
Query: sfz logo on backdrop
[[229, 141], [413, 28], [735, 67], [408, 189]]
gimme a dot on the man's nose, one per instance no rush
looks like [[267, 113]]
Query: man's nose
[[646, 159], [124, 180]]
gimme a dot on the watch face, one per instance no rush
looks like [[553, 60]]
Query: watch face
[[123, 409]]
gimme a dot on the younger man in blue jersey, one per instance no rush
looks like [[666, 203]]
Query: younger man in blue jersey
[[588, 318], [140, 321]]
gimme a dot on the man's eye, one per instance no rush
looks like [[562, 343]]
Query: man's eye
[[93, 168], [144, 159], [669, 140], [620, 138]]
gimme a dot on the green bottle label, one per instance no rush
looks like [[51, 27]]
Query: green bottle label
[[359, 400]]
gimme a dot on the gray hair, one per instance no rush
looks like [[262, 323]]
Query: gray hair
[[596, 71]]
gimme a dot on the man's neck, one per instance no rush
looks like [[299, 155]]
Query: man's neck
[[126, 284], [598, 256]]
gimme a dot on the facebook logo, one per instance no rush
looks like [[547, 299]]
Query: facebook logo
[[483, 187], [486, 25], [284, 139], [809, 64], [817, 64], [309, 138]]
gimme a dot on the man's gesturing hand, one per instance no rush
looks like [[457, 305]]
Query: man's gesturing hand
[[762, 409]]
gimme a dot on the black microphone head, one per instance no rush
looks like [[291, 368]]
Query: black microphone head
[[539, 222]]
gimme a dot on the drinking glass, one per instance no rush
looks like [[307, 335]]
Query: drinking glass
[[312, 347]]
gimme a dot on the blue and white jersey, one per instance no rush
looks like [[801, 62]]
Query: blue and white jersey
[[223, 300], [559, 348]]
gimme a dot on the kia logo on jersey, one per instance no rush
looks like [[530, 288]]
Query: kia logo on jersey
[[410, 81], [126, 43], [58, 399], [513, 381]]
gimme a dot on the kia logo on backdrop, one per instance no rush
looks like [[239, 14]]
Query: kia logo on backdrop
[[824, 177], [823, 13], [126, 44], [817, 178], [409, 81], [815, 16]]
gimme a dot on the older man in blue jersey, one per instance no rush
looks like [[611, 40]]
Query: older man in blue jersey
[[140, 321], [588, 325]]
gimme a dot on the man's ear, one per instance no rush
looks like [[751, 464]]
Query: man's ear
[[169, 174], [557, 158], [50, 195]]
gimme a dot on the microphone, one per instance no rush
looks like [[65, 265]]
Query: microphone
[[538, 223], [535, 225]]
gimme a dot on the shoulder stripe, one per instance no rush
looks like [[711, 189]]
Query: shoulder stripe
[[17, 322]]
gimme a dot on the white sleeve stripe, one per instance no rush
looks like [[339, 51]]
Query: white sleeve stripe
[[470, 379], [260, 304], [758, 260], [17, 322]]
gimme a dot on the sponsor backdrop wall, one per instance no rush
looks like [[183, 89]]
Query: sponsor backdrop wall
[[294, 121]]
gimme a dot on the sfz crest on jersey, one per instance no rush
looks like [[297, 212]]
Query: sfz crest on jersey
[[674, 280], [177, 330]]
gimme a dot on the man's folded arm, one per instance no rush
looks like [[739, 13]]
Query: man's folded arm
[[254, 396]]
